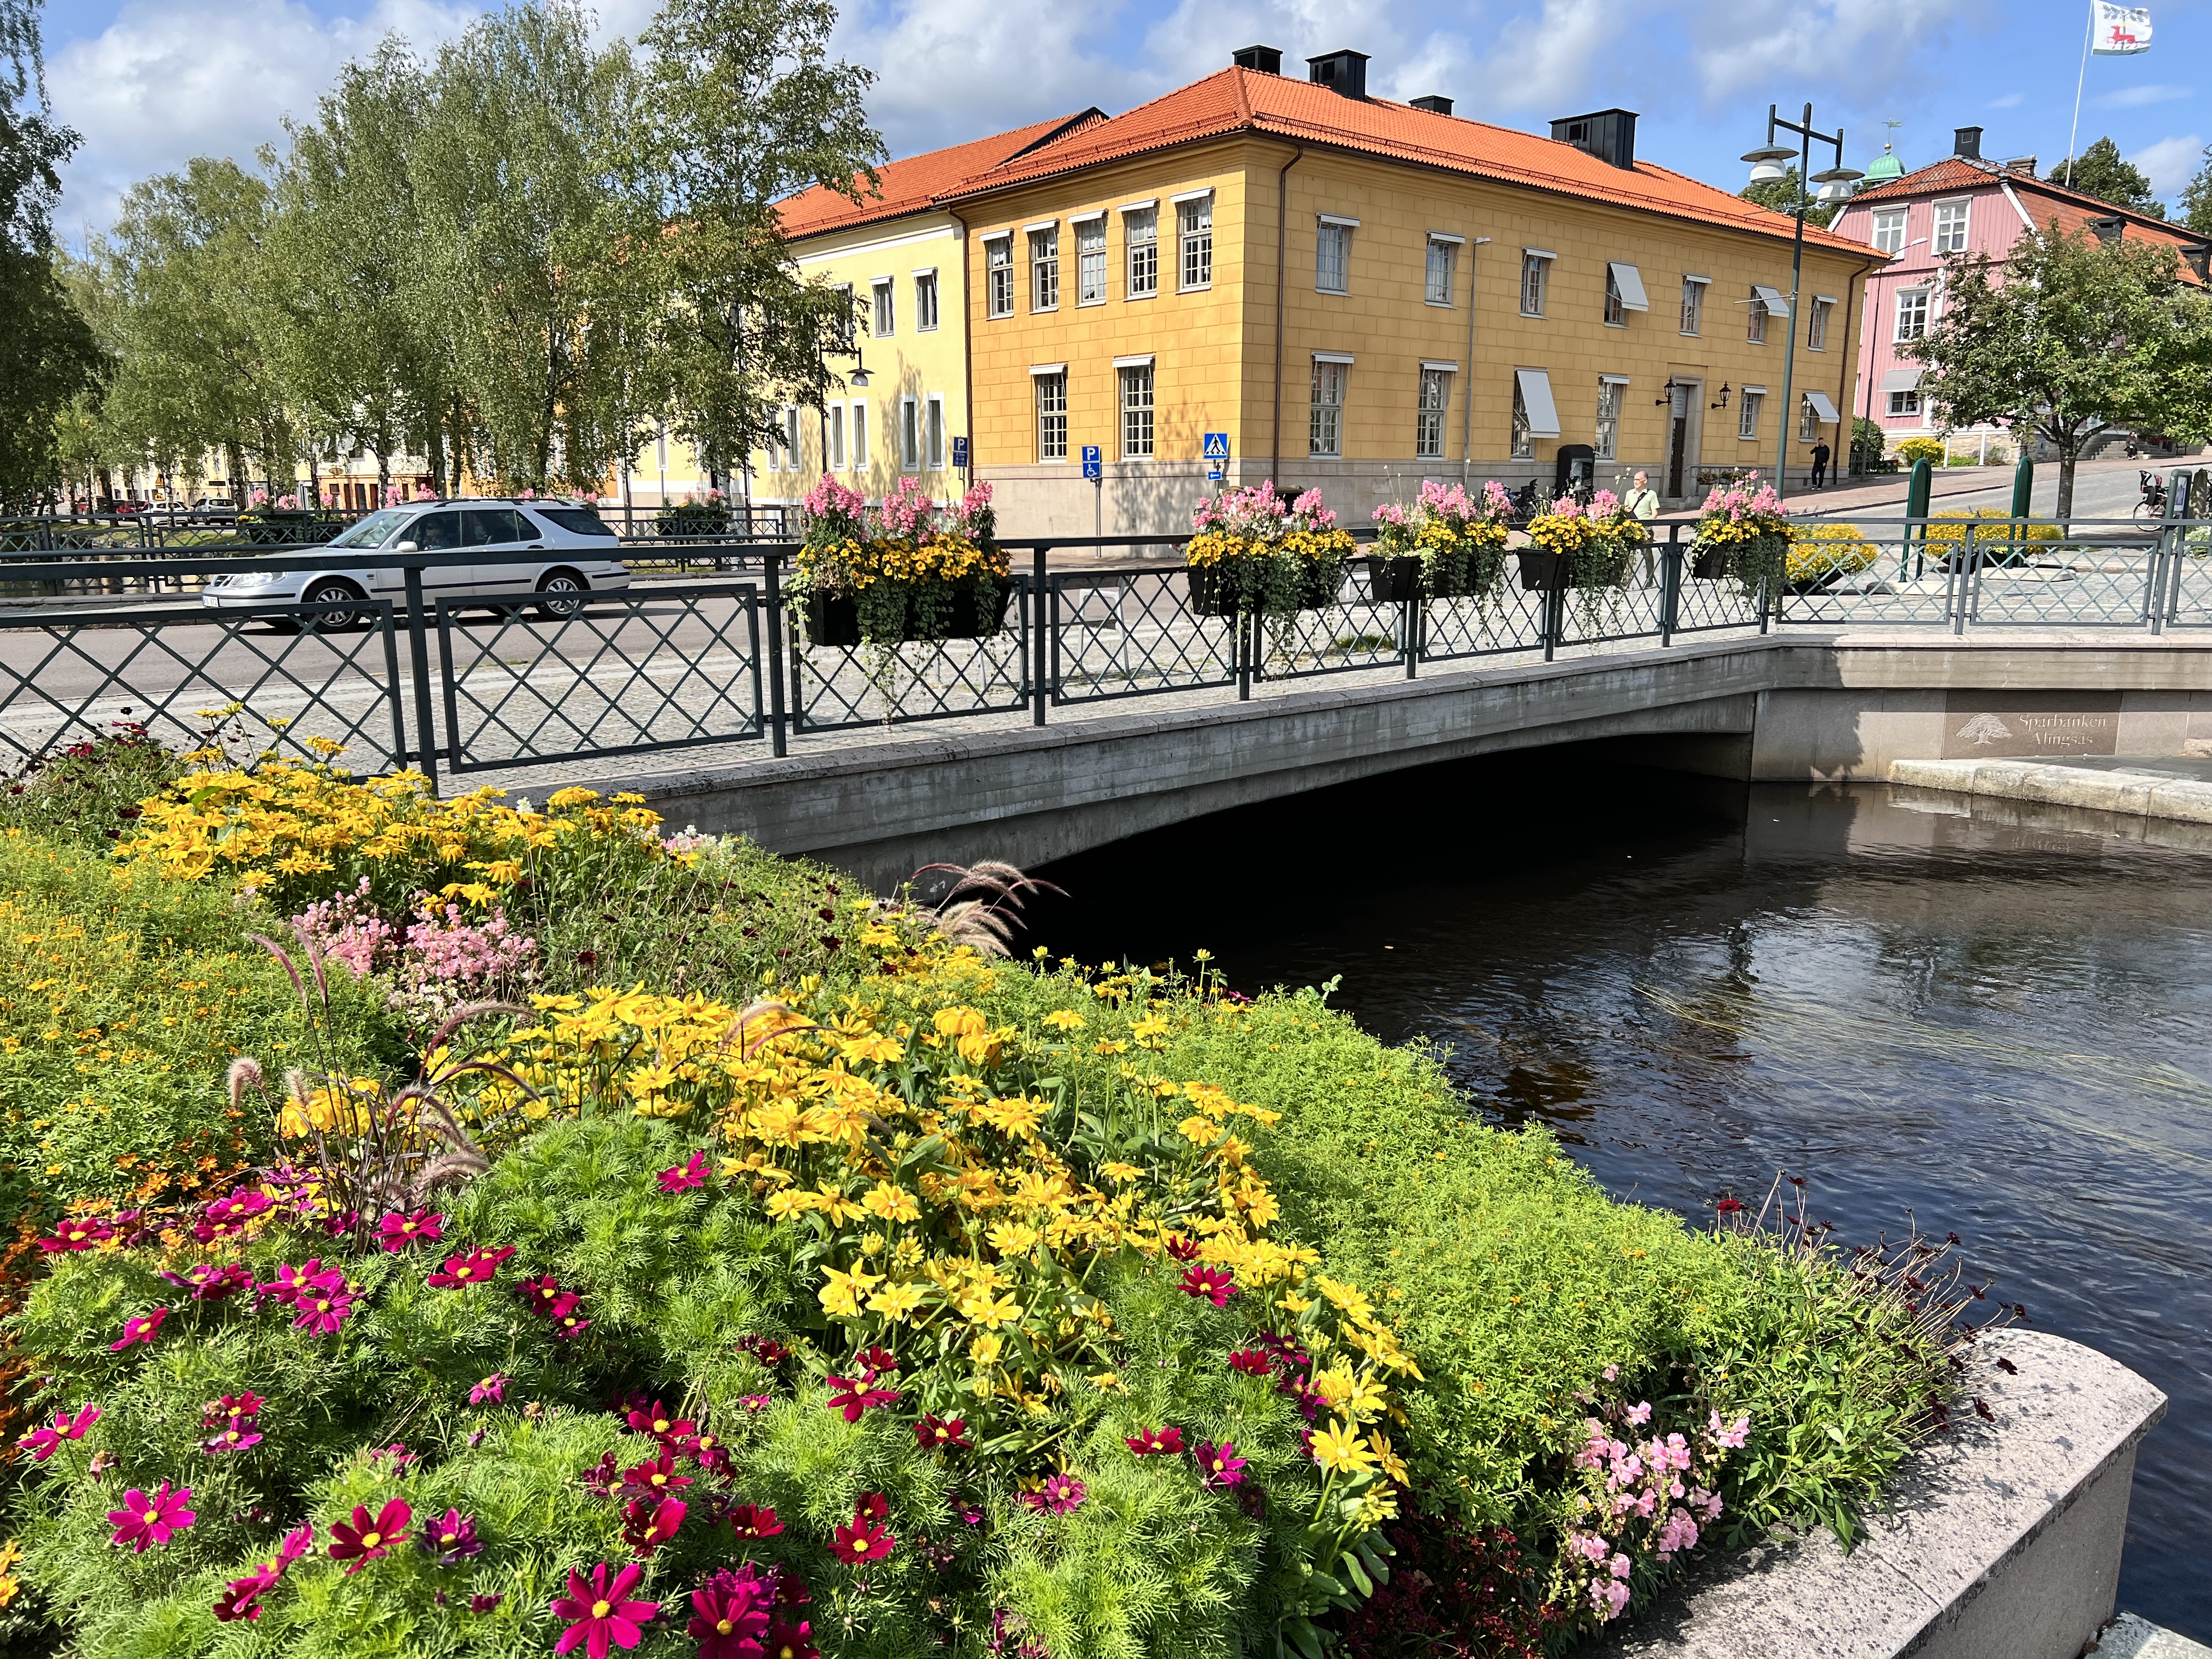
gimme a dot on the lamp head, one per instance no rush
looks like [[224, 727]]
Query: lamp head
[[1768, 163]]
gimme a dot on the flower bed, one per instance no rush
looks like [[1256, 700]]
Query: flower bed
[[1252, 552], [1445, 545], [911, 569], [880, 1300]]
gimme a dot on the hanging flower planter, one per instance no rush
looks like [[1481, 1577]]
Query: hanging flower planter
[[1395, 581], [912, 570], [1743, 534], [1255, 552], [1455, 544]]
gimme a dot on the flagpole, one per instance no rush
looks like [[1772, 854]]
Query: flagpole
[[2089, 29]]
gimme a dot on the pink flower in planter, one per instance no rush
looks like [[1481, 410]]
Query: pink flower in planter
[[601, 1619], [367, 1537], [143, 1520], [144, 1329], [686, 1176]]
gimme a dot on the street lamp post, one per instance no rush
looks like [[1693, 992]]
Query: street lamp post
[[1769, 162]]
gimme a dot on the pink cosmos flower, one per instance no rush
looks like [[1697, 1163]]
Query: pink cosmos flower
[[543, 1293], [81, 1233], [730, 1613], [861, 1541], [1214, 1284], [144, 1329], [476, 1267], [686, 1176], [450, 1539], [1153, 1441], [944, 1434], [41, 1443], [1220, 1466], [647, 1525], [791, 1640], [292, 1283], [143, 1520], [486, 1603], [241, 1597], [493, 1387], [397, 1230], [1059, 1494], [657, 1476], [367, 1537], [236, 1438], [205, 1282], [569, 1323], [1252, 1362], [853, 1397], [601, 1619], [753, 1520], [324, 1311], [661, 1423]]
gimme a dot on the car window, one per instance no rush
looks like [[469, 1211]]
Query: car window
[[576, 521], [490, 525], [371, 532], [435, 532]]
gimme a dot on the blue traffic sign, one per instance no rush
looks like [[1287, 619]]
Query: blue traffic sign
[[1092, 468], [1213, 474], [960, 453], [1217, 446]]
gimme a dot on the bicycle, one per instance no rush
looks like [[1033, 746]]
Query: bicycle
[[2151, 507]]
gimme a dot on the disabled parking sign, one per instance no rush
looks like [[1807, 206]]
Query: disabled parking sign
[[1092, 468]]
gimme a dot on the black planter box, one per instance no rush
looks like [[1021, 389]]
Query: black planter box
[[978, 616], [832, 621], [1395, 581], [1212, 592], [1711, 564], [1541, 571]]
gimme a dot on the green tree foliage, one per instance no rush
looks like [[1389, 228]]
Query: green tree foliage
[[1780, 194], [47, 353], [2098, 171], [2196, 198], [2067, 335]]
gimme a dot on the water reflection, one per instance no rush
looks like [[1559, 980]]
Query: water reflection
[[1998, 1028]]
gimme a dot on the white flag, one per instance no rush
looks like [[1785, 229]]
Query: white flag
[[2120, 30]]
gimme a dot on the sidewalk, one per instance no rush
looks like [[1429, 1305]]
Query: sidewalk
[[2101, 488]]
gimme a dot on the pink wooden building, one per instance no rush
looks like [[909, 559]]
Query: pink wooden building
[[1959, 205]]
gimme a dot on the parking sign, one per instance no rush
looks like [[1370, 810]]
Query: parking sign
[[1092, 468], [960, 452]]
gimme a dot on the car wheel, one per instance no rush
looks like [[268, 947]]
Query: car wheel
[[561, 594], [335, 622]]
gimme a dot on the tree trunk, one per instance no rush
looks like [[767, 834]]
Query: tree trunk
[[2066, 459]]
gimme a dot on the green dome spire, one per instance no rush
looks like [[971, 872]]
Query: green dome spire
[[1884, 168]]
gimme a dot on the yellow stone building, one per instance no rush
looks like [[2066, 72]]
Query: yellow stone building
[[1356, 294]]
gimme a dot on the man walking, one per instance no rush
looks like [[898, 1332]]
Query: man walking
[[1820, 453], [1642, 500]]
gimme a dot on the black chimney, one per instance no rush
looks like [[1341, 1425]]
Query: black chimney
[[1608, 134], [1339, 71], [1434, 104], [1967, 141], [1266, 60]]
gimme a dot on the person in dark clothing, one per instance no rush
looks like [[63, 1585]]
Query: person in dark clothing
[[1820, 453]]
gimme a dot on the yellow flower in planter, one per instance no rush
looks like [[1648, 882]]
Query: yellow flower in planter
[[891, 1202], [1339, 1450], [895, 1302]]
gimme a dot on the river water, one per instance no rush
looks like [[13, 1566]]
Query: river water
[[2001, 1031]]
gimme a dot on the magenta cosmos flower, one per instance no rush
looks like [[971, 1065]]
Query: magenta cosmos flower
[[1152, 1443], [450, 1539], [1059, 1494], [144, 1329], [945, 1434], [398, 1230], [292, 1283], [755, 1521], [730, 1613], [321, 1312], [206, 1282], [659, 1475], [853, 1396], [601, 1621], [143, 1520], [78, 1235], [368, 1537], [1220, 1466], [41, 1442], [493, 1387], [473, 1268], [1214, 1284], [647, 1525], [685, 1176]]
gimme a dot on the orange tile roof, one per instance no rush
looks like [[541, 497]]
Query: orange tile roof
[[2044, 200], [909, 185], [1235, 101]]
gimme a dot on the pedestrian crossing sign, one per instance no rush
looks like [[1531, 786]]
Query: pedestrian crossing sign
[[1217, 446]]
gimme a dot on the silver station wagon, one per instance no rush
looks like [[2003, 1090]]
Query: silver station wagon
[[575, 546]]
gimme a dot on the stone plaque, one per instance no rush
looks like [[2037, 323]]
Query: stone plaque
[[2020, 725]]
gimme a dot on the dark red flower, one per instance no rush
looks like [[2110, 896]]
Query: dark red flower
[[541, 1292], [730, 1613], [1181, 1249], [661, 1423], [766, 1349], [647, 1525], [659, 1475], [945, 1434], [860, 1541], [1214, 1284], [872, 1506], [1154, 1442], [1252, 1362], [755, 1521], [1728, 1206], [791, 1642], [853, 1396], [601, 1619], [367, 1537], [475, 1267], [878, 1361]]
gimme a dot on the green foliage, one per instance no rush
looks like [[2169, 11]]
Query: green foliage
[[88, 795], [2100, 171], [2070, 334], [1910, 450], [1783, 194]]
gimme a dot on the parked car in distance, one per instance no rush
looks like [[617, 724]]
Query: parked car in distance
[[574, 542], [214, 507]]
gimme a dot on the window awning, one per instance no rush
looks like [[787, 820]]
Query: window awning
[[1630, 282], [1776, 303], [1536, 385], [1821, 407], [1902, 379]]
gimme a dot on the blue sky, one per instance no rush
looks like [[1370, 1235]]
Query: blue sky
[[151, 82]]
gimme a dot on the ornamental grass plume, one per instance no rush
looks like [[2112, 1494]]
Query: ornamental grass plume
[[144, 1521], [601, 1619], [366, 1537]]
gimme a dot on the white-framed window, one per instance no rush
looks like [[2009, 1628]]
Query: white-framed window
[[1535, 279], [1333, 257], [1194, 229], [1816, 324], [1429, 414], [932, 432], [1045, 269], [1950, 232], [847, 327], [886, 316], [1524, 442], [1616, 314], [1141, 228], [1904, 403], [1693, 304], [1809, 421], [1754, 329], [1091, 261], [925, 301], [792, 453], [1607, 443], [1889, 229], [1441, 279], [999, 276], [860, 436], [834, 430], [909, 434], [1136, 411], [1325, 434], [1051, 415], [1747, 411], [1911, 314]]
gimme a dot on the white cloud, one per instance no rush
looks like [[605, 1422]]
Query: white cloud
[[206, 77], [2010, 100], [2136, 97], [2171, 163]]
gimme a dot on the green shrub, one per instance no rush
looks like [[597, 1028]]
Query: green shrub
[[88, 795], [1910, 450]]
